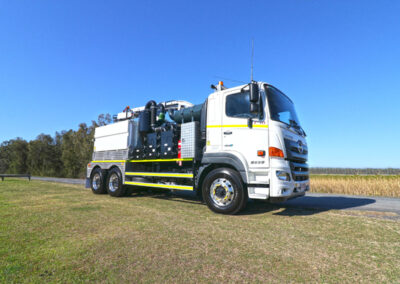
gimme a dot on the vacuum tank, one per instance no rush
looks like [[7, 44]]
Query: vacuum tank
[[187, 114]]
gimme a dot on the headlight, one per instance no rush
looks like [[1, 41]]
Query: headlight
[[283, 175]]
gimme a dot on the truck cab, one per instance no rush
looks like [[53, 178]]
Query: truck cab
[[267, 142]]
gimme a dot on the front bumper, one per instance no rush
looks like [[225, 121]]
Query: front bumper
[[300, 188], [287, 189]]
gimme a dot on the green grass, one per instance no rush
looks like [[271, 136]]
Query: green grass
[[61, 233]]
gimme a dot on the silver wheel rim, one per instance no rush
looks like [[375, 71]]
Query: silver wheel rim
[[222, 192], [96, 182], [113, 182]]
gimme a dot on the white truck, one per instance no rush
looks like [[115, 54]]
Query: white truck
[[242, 142]]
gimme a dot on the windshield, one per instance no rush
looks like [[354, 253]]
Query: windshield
[[281, 107]]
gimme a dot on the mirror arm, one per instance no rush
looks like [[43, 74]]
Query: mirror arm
[[250, 122], [241, 90]]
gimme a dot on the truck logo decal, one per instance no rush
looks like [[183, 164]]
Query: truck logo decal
[[300, 147]]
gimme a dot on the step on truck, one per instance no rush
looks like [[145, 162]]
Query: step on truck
[[242, 142]]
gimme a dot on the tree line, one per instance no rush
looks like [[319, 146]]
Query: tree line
[[65, 154]]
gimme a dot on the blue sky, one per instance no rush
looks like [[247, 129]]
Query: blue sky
[[65, 62]]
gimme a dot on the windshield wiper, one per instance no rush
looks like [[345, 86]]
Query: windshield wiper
[[296, 126], [294, 123]]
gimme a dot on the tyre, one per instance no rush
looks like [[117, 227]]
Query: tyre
[[114, 183], [97, 181], [224, 192]]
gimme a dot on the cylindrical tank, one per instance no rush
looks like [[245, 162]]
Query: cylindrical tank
[[187, 114]]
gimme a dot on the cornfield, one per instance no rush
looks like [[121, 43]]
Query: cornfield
[[372, 185]]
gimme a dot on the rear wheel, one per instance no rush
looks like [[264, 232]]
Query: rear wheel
[[97, 181], [224, 192], [114, 183]]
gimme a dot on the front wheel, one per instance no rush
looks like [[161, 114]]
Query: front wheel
[[114, 183], [224, 192]]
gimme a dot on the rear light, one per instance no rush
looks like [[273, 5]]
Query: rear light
[[275, 152]]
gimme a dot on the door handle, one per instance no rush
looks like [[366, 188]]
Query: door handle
[[228, 132]]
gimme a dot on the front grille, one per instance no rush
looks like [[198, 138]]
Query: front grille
[[297, 157], [299, 171]]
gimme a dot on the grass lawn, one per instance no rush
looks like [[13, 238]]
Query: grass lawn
[[62, 233]]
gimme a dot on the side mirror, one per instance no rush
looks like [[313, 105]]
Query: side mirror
[[254, 108], [254, 93]]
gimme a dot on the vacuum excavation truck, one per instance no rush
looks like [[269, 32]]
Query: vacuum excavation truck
[[242, 142]]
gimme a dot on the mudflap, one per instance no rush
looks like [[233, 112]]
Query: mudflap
[[87, 184]]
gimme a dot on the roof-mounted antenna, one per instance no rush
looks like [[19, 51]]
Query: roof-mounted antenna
[[252, 56]]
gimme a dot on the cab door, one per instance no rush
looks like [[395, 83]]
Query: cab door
[[237, 136], [214, 122]]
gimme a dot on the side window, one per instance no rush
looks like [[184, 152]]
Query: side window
[[238, 105]]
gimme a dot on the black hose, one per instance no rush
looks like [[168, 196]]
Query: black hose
[[160, 105], [152, 105], [149, 104]]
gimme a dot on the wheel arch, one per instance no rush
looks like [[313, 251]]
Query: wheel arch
[[211, 161], [114, 167], [93, 169]]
